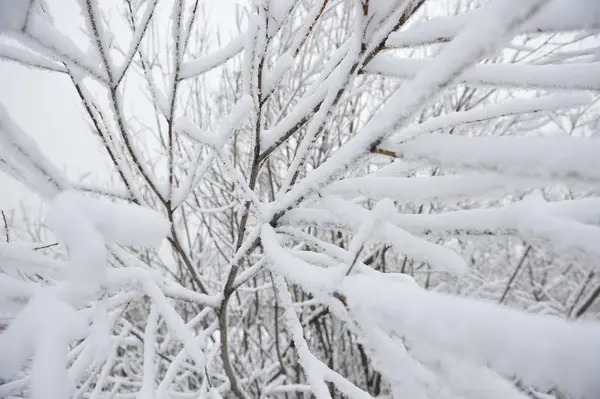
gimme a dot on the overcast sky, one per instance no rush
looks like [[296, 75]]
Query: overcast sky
[[45, 105]]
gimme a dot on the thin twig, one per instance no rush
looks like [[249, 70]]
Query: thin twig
[[515, 273], [5, 226], [45, 246], [588, 302]]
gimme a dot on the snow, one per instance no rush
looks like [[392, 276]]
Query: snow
[[379, 8], [567, 225], [176, 22], [56, 324], [563, 233], [429, 188], [87, 252], [512, 107], [20, 257], [189, 128], [100, 340], [121, 223], [558, 15], [283, 65], [236, 116], [28, 58], [406, 376], [320, 281], [573, 76], [289, 388], [474, 220], [174, 290], [137, 38], [280, 9], [111, 358], [271, 136], [336, 81], [403, 242], [542, 351], [203, 64], [195, 172], [47, 39], [311, 366], [50, 322], [562, 158], [193, 348], [13, 293], [148, 388], [307, 104], [530, 218], [229, 124], [43, 331]]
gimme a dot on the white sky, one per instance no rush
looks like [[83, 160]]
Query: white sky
[[46, 106]]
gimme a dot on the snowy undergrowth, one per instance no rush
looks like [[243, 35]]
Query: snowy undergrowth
[[55, 315]]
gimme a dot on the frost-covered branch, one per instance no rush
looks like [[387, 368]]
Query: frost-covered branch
[[364, 199]]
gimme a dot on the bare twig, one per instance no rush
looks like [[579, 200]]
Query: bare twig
[[5, 226], [45, 246], [514, 275]]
